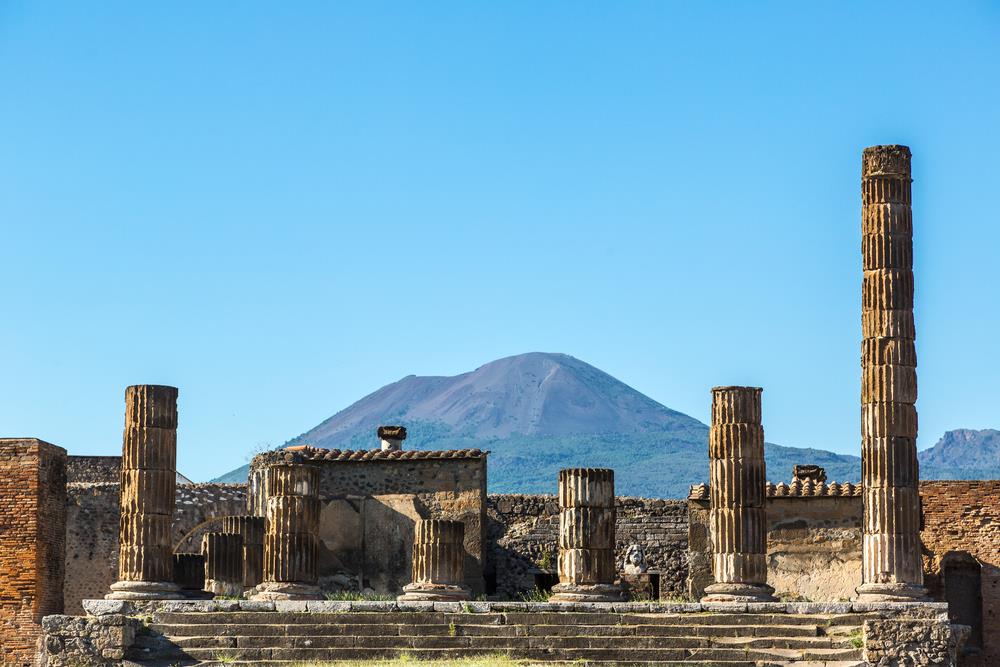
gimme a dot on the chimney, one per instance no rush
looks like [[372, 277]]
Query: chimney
[[391, 437]]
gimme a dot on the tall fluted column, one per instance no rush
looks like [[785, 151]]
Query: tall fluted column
[[148, 484], [223, 554], [737, 515], [586, 536], [290, 536], [252, 530], [438, 562], [890, 555]]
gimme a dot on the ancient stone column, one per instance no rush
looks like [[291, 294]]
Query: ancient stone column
[[223, 554], [189, 574], [438, 562], [737, 516], [252, 530], [148, 481], [290, 536], [586, 536], [891, 564]]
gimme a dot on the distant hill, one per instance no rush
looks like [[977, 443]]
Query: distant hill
[[540, 412], [963, 454]]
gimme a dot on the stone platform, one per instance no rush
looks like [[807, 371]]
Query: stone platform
[[286, 632]]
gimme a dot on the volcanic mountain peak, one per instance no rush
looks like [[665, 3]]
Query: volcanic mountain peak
[[533, 394]]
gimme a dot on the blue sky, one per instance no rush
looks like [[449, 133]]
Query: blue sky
[[280, 207]]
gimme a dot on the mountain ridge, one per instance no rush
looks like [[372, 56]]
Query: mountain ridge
[[538, 412]]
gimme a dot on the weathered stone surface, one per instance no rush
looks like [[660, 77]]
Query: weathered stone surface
[[902, 642], [148, 488], [93, 641], [737, 518], [290, 537], [252, 529], [223, 554], [438, 562], [586, 561], [891, 563]]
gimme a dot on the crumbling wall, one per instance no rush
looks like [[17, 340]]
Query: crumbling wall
[[963, 517], [813, 547], [32, 535], [92, 512], [93, 469], [523, 537]]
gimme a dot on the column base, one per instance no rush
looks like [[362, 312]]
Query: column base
[[587, 593], [144, 590], [286, 590], [739, 592], [227, 589], [435, 593], [891, 593]]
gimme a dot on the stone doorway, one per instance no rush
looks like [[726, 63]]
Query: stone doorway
[[962, 579]]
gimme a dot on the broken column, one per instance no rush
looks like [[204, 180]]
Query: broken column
[[251, 528], [148, 481], [438, 562], [290, 536], [391, 437], [891, 563], [737, 515], [189, 574], [586, 537], [223, 554]]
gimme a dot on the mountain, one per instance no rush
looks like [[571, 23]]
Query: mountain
[[539, 412], [963, 454]]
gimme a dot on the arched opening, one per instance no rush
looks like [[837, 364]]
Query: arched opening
[[961, 575]]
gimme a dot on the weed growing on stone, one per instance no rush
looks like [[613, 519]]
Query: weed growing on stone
[[452, 630], [357, 596], [857, 641], [535, 595]]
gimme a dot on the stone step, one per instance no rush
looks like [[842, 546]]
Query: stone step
[[481, 643], [366, 630], [635, 655], [505, 618]]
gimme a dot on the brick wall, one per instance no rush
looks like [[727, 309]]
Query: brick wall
[[32, 535], [964, 516], [524, 532]]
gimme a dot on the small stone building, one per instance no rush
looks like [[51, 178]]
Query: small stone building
[[370, 501]]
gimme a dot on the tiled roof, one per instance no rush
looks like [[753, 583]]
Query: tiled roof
[[797, 489], [303, 453]]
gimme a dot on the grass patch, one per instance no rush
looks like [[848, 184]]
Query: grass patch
[[357, 596], [535, 595], [857, 641]]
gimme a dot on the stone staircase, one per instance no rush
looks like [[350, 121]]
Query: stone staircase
[[706, 639]]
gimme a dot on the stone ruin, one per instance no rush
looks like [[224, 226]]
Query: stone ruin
[[269, 561]]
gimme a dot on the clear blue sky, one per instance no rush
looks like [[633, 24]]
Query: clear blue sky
[[280, 207]]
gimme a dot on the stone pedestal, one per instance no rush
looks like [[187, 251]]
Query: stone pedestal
[[586, 537], [148, 481], [223, 554], [737, 515], [189, 575], [290, 536], [251, 528], [438, 562], [891, 562]]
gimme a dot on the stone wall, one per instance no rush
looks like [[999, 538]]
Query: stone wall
[[92, 512], [523, 532], [94, 469], [961, 525], [813, 546], [32, 535], [370, 501]]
